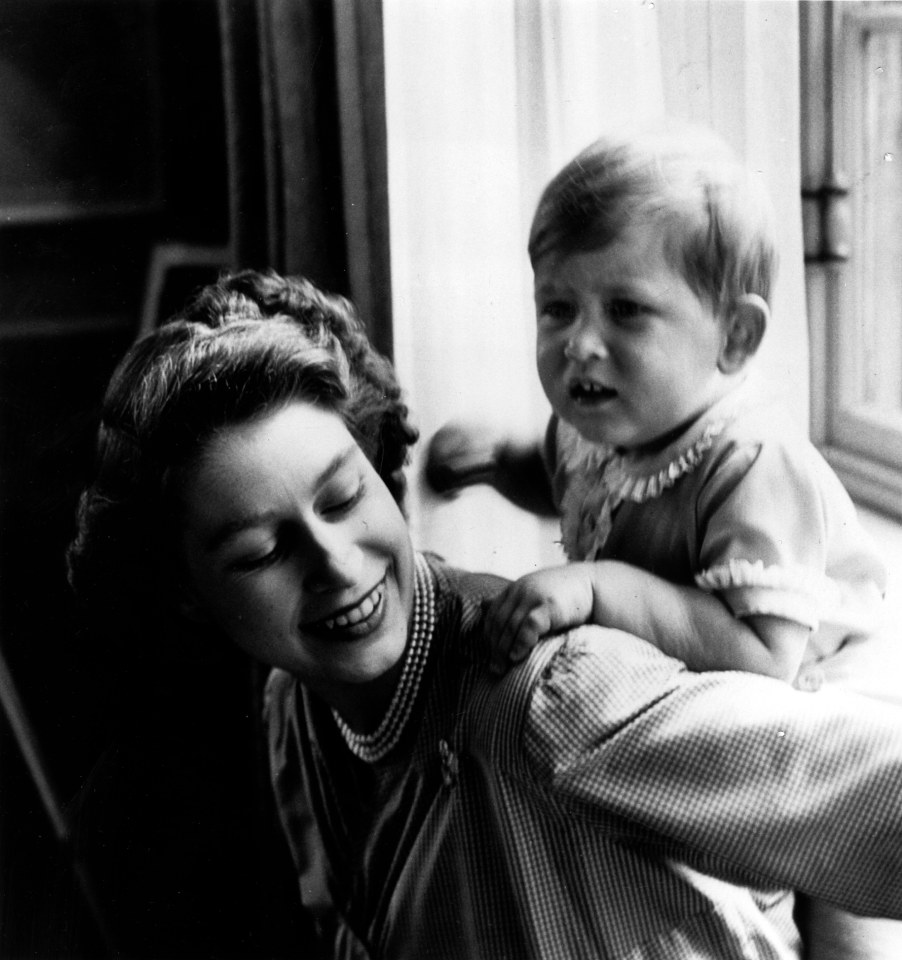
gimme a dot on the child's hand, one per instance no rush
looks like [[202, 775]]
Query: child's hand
[[539, 604], [460, 454]]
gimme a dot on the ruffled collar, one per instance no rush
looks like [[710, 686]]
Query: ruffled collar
[[639, 477]]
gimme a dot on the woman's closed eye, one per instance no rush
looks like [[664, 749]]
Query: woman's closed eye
[[262, 556], [343, 500]]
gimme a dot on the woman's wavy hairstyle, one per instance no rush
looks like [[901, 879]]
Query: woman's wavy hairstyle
[[247, 344], [715, 213]]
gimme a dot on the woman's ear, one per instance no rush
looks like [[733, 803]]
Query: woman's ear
[[744, 330], [188, 606]]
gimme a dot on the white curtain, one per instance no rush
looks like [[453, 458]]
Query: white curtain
[[486, 99]]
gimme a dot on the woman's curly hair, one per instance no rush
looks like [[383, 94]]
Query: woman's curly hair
[[249, 343]]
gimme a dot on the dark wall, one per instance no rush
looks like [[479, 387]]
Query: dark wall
[[113, 147]]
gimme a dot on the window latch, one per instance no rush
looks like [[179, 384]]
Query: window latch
[[827, 221]]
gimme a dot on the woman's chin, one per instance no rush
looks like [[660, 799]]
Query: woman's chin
[[361, 659]]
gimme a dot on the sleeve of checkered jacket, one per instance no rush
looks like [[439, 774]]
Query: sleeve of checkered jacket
[[744, 774]]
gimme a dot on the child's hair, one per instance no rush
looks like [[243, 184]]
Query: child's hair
[[250, 343], [717, 216]]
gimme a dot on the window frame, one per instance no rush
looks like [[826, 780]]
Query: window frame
[[863, 447]]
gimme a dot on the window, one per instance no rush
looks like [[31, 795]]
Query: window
[[482, 109], [852, 176]]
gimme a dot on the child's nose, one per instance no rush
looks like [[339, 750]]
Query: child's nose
[[586, 342]]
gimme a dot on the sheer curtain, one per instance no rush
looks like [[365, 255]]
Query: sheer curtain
[[486, 99]]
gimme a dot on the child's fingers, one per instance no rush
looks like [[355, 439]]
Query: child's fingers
[[498, 627], [515, 621], [505, 615], [517, 644], [521, 648], [531, 628], [493, 633]]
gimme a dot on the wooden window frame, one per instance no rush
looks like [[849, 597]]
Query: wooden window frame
[[863, 446]]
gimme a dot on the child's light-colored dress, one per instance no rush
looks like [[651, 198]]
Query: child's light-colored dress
[[747, 509]]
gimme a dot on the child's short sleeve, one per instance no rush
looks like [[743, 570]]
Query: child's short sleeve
[[780, 537]]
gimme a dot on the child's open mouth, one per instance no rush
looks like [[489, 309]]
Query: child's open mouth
[[587, 391]]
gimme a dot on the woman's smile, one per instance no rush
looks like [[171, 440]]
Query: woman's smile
[[357, 620]]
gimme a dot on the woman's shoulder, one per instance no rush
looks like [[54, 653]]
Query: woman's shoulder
[[461, 596], [470, 588], [574, 691]]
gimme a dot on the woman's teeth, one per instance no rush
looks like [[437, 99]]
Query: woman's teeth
[[357, 614]]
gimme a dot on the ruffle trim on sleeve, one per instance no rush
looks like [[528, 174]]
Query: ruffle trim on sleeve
[[795, 593], [753, 573]]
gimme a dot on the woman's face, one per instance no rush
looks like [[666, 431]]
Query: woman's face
[[296, 550]]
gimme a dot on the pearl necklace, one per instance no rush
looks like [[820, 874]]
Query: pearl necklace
[[372, 747]]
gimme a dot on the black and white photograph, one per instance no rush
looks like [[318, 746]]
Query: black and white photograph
[[450, 479]]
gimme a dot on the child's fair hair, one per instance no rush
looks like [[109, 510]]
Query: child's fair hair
[[716, 213]]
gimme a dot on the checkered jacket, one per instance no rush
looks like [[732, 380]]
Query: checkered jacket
[[598, 801]]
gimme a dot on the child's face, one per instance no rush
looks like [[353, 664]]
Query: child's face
[[626, 351]]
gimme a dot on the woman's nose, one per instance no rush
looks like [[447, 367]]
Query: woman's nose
[[334, 561]]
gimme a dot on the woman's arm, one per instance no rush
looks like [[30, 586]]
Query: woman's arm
[[800, 790]]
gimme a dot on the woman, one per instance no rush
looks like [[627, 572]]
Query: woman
[[248, 488]]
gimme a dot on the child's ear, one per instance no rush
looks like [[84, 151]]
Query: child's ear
[[744, 330]]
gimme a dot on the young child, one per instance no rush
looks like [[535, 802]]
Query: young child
[[654, 259]]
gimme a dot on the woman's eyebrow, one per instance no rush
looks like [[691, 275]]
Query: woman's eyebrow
[[232, 528]]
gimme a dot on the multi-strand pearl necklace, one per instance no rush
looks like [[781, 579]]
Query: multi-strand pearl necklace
[[372, 747]]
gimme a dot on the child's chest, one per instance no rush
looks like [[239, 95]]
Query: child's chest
[[659, 536]]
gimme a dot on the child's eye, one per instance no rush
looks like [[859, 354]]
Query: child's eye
[[625, 310], [557, 311]]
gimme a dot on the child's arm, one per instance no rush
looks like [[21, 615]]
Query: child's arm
[[462, 454], [684, 622]]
